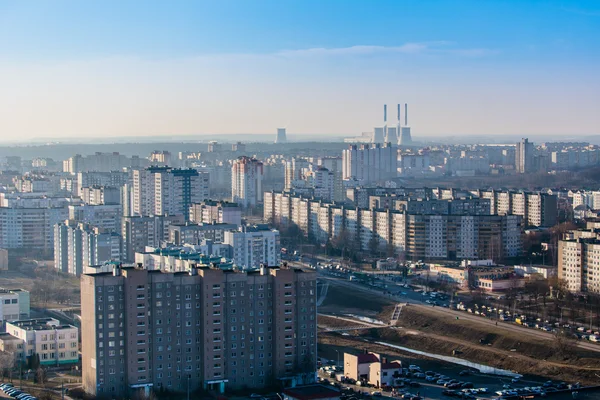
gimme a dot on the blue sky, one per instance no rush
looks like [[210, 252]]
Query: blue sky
[[115, 68]]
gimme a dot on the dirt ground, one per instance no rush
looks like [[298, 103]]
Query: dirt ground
[[427, 331], [346, 299]]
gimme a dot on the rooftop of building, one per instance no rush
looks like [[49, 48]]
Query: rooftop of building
[[195, 267], [312, 392], [4, 290], [40, 324], [391, 365], [201, 226], [366, 358], [222, 203], [5, 336]]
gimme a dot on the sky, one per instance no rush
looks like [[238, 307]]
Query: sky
[[146, 68]]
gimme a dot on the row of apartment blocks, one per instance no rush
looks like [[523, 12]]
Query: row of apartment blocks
[[80, 246], [536, 208], [206, 328], [416, 236], [579, 259]]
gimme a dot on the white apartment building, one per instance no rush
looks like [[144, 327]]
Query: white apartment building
[[101, 162], [14, 304], [366, 225], [295, 170], [96, 178], [370, 163], [104, 216], [246, 181], [55, 344], [30, 228], [323, 182], [220, 212], [579, 262], [27, 219], [99, 195], [78, 246], [537, 209], [252, 246], [137, 232], [167, 191]]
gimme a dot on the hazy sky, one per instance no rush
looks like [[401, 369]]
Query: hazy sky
[[124, 68]]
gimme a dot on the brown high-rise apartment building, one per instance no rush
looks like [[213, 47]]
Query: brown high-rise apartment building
[[206, 328]]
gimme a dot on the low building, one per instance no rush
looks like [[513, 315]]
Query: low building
[[384, 373], [55, 344], [10, 344], [480, 274], [389, 264], [545, 271], [14, 304], [311, 392], [371, 368]]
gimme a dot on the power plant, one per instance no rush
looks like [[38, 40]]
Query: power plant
[[393, 134], [281, 136], [405, 138]]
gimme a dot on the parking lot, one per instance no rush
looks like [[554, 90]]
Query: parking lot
[[427, 379]]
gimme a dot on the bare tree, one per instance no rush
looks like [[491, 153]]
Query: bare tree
[[7, 363], [41, 376], [564, 345]]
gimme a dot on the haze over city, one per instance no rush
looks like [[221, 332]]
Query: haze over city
[[299, 200], [138, 69]]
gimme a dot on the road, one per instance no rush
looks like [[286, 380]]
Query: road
[[418, 300]]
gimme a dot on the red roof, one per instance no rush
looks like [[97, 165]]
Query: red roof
[[367, 358], [392, 365]]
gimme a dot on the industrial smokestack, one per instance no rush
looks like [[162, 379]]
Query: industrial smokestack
[[406, 114], [385, 113], [399, 114]]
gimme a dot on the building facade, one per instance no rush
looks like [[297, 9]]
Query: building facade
[[137, 232], [579, 261], [252, 246], [220, 212], [167, 191], [370, 163], [54, 343], [14, 304], [415, 235], [78, 246], [246, 181], [207, 328]]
